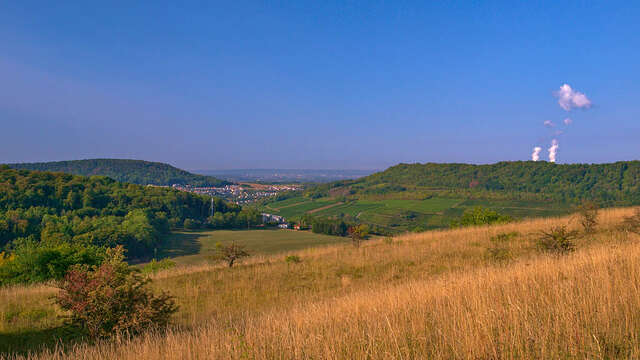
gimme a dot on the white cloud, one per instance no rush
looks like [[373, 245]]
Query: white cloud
[[569, 98], [549, 123], [567, 121]]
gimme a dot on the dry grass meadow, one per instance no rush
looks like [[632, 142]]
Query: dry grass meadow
[[435, 295]]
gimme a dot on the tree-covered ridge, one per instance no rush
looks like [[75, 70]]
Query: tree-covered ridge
[[50, 221], [608, 184], [123, 170], [54, 208]]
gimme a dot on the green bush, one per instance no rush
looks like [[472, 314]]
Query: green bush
[[480, 216], [293, 259], [36, 263], [112, 299], [191, 224]]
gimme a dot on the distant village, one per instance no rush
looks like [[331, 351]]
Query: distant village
[[240, 194]]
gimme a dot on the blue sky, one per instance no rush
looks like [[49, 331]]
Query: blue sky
[[308, 84]]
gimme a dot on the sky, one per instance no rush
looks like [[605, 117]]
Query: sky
[[317, 84]]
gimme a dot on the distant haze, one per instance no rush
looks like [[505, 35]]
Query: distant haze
[[285, 175]]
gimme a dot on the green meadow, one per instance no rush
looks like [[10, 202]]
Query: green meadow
[[195, 247]]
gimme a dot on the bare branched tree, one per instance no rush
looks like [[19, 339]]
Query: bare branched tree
[[589, 216]]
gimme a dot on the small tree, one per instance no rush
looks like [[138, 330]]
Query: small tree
[[358, 233], [558, 240], [230, 253], [588, 216], [112, 299]]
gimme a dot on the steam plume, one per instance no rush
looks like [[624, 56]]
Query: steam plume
[[536, 153], [569, 98], [553, 150]]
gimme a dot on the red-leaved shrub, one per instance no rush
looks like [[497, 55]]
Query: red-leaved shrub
[[112, 299]]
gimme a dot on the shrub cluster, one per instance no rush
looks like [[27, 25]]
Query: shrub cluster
[[558, 240]]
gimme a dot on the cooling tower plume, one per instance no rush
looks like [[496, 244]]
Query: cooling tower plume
[[553, 150], [536, 153], [569, 98]]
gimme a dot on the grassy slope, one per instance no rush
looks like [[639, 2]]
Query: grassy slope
[[430, 295]]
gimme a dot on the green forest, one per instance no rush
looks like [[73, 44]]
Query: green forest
[[50, 221], [130, 171]]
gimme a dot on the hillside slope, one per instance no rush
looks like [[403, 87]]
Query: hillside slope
[[433, 295], [124, 170], [414, 197], [614, 183]]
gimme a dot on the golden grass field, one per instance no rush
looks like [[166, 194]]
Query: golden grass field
[[435, 295]]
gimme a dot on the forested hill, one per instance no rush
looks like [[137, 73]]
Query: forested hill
[[50, 221], [130, 171], [614, 184]]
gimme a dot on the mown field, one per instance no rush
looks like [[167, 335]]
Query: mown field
[[399, 215], [196, 247], [436, 295]]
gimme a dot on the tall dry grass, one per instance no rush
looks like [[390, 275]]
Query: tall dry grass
[[429, 295]]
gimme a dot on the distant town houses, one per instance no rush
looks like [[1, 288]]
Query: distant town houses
[[239, 194], [270, 218]]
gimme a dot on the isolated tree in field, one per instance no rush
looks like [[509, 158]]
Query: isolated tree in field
[[230, 253], [589, 216], [112, 299], [358, 233]]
